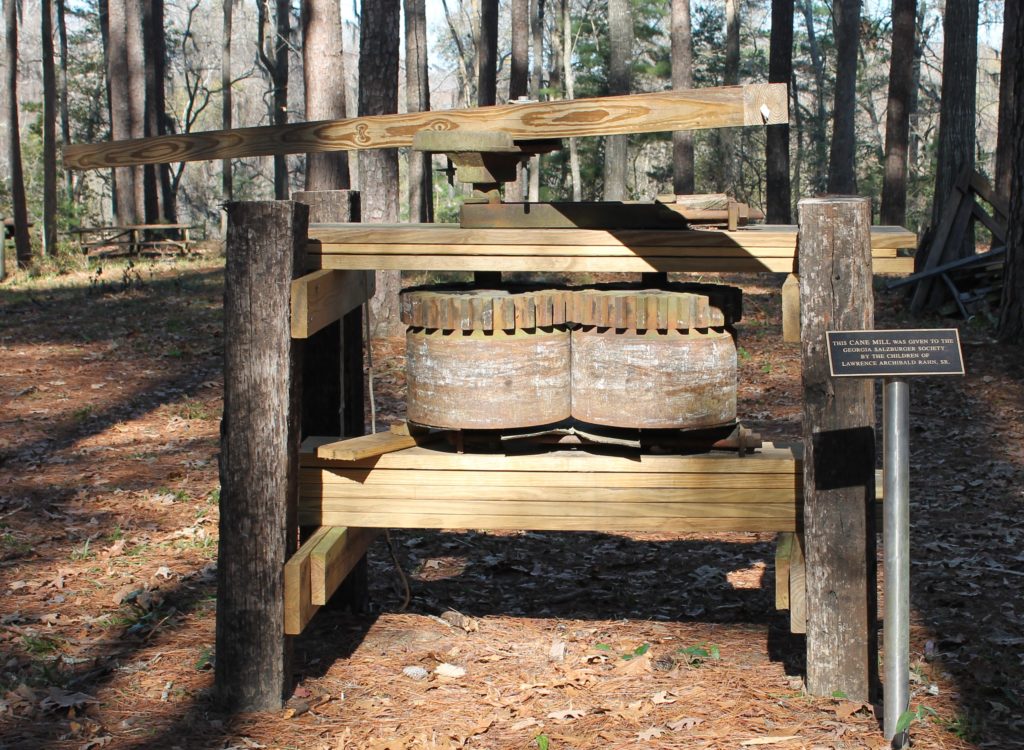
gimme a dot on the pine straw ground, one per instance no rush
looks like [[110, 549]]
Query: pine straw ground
[[109, 408]]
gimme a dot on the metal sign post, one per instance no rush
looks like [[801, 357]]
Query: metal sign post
[[895, 356]]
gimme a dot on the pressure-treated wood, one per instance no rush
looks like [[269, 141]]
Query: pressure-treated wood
[[258, 453], [321, 298], [449, 248], [335, 556], [298, 589], [783, 553], [797, 586], [368, 446], [791, 309], [690, 109], [838, 425]]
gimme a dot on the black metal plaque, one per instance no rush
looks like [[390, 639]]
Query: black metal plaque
[[876, 354]]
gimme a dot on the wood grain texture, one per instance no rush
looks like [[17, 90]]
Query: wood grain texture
[[783, 554], [334, 557], [258, 452], [367, 446], [791, 309], [691, 109], [298, 592], [324, 297], [487, 380], [797, 586], [475, 309], [653, 380], [769, 460], [838, 426]]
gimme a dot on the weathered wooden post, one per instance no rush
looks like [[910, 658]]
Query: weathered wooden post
[[332, 367], [259, 452], [838, 428]]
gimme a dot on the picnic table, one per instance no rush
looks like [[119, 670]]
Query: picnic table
[[134, 238]]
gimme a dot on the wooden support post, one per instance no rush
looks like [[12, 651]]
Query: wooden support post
[[838, 429], [797, 586], [259, 453], [332, 401], [791, 309]]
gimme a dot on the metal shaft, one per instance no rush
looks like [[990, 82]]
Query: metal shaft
[[896, 544]]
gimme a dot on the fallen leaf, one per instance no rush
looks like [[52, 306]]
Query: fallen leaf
[[635, 666], [520, 725], [649, 734], [661, 697], [114, 550], [845, 709], [768, 740], [567, 714], [58, 698], [97, 742], [449, 670]]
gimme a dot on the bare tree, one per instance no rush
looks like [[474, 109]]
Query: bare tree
[[417, 99], [616, 147], [819, 122], [120, 109], [323, 69], [519, 75], [682, 78], [780, 70], [570, 93], [273, 55], [1008, 101], [49, 130], [842, 173], [728, 136], [536, 81], [227, 179], [897, 117], [1011, 321], [136, 67], [160, 198], [378, 168], [62, 88], [22, 244], [957, 107]]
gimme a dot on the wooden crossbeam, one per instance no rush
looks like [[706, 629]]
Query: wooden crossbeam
[[322, 297], [690, 109]]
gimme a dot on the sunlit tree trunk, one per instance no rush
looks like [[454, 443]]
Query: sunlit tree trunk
[[323, 71], [62, 88], [120, 111], [1008, 101], [487, 54], [417, 99], [817, 129], [1011, 322], [682, 78], [570, 93], [616, 147], [728, 136], [536, 80], [226, 178], [519, 75], [49, 130]]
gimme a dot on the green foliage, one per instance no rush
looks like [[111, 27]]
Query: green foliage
[[908, 717], [697, 655], [543, 742]]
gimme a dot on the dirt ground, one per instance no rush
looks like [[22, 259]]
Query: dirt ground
[[110, 400]]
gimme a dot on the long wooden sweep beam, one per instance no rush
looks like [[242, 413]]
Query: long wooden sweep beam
[[690, 109]]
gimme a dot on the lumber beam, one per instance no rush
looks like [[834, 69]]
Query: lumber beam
[[370, 446], [324, 297], [783, 555], [334, 556], [689, 109], [259, 469], [299, 607], [839, 452]]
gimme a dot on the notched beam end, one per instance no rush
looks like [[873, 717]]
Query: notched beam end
[[765, 104]]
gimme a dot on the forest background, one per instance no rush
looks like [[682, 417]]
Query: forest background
[[569, 49]]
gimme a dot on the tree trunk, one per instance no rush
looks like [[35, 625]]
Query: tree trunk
[[323, 70], [842, 172], [957, 120], [1012, 39], [682, 78], [283, 23], [536, 81], [62, 88], [1011, 320], [616, 147], [136, 66], [378, 168], [226, 180], [780, 70], [519, 76], [487, 55], [728, 137], [120, 111], [417, 99], [159, 201], [570, 93], [818, 133], [259, 453], [22, 243], [49, 131], [897, 116]]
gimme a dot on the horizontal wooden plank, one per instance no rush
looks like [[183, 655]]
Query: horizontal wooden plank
[[768, 460], [322, 297], [334, 557], [544, 500], [780, 236], [371, 446], [664, 111], [298, 595], [427, 519], [372, 478]]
